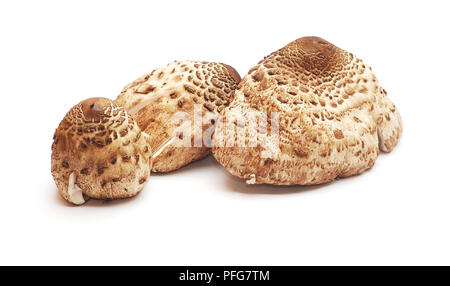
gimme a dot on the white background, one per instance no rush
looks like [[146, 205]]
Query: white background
[[54, 54]]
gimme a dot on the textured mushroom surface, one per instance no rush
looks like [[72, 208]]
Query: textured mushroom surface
[[99, 152], [155, 98], [333, 117]]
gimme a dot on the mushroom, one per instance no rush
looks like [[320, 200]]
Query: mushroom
[[99, 152], [333, 117], [199, 90]]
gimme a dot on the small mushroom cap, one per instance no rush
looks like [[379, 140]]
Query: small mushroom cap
[[334, 117], [99, 150], [178, 87]]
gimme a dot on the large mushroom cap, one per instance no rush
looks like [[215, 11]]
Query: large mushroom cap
[[99, 152], [179, 87], [333, 117]]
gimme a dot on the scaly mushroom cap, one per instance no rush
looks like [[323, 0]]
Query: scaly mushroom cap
[[333, 117], [99, 152], [155, 98]]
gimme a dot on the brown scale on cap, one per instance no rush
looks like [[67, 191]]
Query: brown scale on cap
[[99, 152], [333, 116], [154, 98]]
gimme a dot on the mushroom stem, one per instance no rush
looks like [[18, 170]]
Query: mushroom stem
[[75, 192], [164, 146]]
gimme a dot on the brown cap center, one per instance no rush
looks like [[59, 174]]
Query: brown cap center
[[94, 108]]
